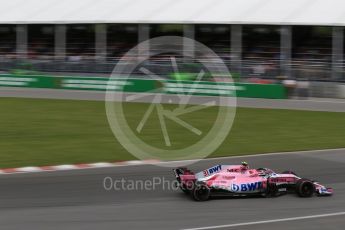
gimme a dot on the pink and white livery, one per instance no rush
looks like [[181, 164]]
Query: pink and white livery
[[240, 180]]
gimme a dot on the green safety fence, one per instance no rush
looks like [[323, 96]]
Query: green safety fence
[[274, 91]]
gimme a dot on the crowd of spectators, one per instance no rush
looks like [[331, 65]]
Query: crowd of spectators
[[260, 52]]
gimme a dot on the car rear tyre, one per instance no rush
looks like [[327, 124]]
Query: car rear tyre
[[201, 192], [305, 188]]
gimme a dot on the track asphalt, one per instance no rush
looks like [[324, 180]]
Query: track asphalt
[[78, 200], [313, 104]]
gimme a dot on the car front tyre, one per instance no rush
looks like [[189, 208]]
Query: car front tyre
[[305, 188]]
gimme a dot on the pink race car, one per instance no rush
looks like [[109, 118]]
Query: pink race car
[[240, 180]]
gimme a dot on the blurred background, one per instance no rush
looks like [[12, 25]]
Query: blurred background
[[260, 43]]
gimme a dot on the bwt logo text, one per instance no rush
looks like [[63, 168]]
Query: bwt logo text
[[212, 170], [248, 187]]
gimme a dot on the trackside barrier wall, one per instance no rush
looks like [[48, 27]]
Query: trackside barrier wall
[[342, 91], [274, 91]]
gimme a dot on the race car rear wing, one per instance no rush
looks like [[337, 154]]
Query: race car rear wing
[[184, 175]]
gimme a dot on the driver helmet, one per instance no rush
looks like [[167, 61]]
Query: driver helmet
[[244, 165]]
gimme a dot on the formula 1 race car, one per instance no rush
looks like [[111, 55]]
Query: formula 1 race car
[[240, 180]]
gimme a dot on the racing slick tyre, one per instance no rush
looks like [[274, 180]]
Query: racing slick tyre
[[305, 188], [200, 192]]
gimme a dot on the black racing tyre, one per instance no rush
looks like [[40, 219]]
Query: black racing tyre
[[289, 172], [305, 188], [201, 192]]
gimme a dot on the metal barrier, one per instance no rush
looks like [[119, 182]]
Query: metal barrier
[[268, 69]]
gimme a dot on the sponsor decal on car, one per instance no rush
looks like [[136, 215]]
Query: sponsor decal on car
[[229, 177], [247, 187], [233, 170], [282, 180], [212, 170], [219, 182]]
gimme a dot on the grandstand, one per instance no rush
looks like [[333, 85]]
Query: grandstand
[[255, 38]]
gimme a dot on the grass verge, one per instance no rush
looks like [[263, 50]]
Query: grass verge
[[48, 132]]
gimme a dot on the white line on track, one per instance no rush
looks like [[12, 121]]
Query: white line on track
[[268, 221]]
